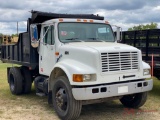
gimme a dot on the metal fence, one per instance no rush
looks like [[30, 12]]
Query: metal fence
[[148, 41]]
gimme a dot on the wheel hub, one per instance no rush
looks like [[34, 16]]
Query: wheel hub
[[61, 99]]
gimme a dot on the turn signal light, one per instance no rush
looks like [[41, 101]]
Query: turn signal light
[[77, 78]]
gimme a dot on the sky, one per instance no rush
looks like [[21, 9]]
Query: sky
[[123, 13]]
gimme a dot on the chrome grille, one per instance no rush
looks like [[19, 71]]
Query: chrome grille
[[119, 61]]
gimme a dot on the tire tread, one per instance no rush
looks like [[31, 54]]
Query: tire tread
[[75, 105], [137, 102]]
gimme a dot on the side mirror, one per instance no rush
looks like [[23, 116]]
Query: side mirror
[[118, 33], [34, 35]]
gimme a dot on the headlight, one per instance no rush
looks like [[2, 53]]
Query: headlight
[[83, 77], [146, 72], [86, 77]]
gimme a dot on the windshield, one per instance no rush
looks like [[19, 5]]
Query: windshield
[[87, 32]]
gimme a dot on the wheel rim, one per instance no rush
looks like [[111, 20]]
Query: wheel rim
[[61, 99], [12, 82]]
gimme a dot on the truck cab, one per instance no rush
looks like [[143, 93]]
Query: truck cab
[[80, 62]]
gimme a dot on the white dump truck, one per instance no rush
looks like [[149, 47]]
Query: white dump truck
[[75, 60]]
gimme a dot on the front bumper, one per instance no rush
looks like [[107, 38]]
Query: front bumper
[[119, 89]]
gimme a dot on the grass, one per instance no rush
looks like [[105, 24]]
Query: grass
[[33, 107], [15, 107], [156, 88]]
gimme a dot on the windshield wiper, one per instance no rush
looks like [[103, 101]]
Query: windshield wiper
[[94, 40], [74, 40], [71, 38]]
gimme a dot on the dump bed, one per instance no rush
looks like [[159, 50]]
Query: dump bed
[[22, 52]]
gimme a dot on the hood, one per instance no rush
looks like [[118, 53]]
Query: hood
[[104, 46], [89, 53]]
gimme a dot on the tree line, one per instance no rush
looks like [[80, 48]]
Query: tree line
[[152, 25]]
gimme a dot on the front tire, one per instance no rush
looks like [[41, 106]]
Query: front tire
[[64, 103], [134, 101]]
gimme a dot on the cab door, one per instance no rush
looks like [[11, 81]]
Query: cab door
[[47, 50]]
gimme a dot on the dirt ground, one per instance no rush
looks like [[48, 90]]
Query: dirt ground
[[28, 108]]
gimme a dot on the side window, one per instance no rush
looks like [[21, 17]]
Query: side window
[[48, 31]]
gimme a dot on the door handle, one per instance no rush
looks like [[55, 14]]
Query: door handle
[[41, 57]]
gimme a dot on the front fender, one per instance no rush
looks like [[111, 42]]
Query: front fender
[[145, 65], [71, 67]]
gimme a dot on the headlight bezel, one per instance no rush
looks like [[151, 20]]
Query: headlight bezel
[[146, 72]]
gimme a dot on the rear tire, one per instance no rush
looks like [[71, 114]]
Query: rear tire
[[27, 82], [134, 101], [15, 80], [64, 103]]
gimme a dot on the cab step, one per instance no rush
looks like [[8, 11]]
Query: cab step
[[41, 94]]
